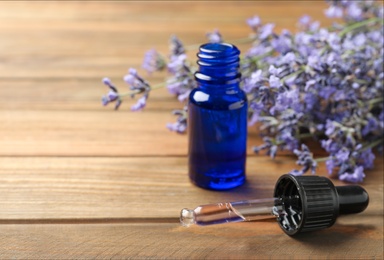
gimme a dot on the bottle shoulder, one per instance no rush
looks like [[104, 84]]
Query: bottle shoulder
[[221, 100]]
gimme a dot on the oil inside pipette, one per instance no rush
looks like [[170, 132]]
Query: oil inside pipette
[[246, 210]]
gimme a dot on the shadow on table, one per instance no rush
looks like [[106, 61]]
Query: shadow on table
[[335, 235]]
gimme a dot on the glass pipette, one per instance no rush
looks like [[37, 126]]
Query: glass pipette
[[246, 210], [300, 203]]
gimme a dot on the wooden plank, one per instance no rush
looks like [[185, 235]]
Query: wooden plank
[[86, 133], [124, 188], [258, 240], [86, 39], [78, 95], [59, 133]]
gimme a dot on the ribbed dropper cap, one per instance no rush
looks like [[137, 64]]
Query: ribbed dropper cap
[[319, 203]]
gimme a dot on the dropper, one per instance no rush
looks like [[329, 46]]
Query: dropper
[[300, 203]]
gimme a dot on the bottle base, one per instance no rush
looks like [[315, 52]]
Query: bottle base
[[218, 184]]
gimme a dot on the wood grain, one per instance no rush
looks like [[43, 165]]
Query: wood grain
[[79, 181], [262, 240], [131, 187], [96, 39]]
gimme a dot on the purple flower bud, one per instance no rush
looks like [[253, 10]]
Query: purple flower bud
[[256, 107], [140, 104], [290, 81], [309, 83], [254, 22], [330, 128], [355, 177], [180, 126], [288, 58], [330, 165], [132, 71], [314, 26], [272, 151], [360, 39], [112, 96], [272, 70], [176, 46], [342, 155], [266, 31], [153, 61], [129, 79], [367, 158], [253, 81], [214, 37], [109, 84], [339, 95], [333, 40], [282, 44], [107, 81], [355, 85], [371, 126], [296, 172], [305, 159], [355, 12], [274, 82], [176, 64], [175, 88], [330, 146], [375, 36], [177, 127], [334, 12], [104, 100], [184, 96], [305, 20]]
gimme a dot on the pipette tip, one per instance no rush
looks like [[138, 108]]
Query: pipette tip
[[187, 217]]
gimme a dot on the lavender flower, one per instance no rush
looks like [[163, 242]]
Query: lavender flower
[[140, 104], [355, 12], [181, 80], [283, 43], [274, 82], [305, 21], [254, 22], [356, 176], [153, 61], [176, 46], [266, 31], [112, 94], [366, 159], [256, 79], [214, 37], [138, 86], [334, 12], [180, 126], [269, 145], [135, 81], [319, 74], [305, 159], [342, 155], [320, 83]]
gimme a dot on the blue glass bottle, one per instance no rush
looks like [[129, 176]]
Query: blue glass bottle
[[217, 120]]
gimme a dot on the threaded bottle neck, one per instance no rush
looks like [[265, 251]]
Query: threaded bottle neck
[[218, 64]]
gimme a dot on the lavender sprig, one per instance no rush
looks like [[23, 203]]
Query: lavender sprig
[[325, 83], [180, 126]]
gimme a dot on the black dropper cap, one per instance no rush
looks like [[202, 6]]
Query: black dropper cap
[[318, 202]]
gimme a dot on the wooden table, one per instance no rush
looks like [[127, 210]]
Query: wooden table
[[78, 180]]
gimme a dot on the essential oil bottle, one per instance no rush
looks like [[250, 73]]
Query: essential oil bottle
[[217, 118]]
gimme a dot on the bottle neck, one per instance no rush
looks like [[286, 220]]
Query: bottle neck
[[218, 66]]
